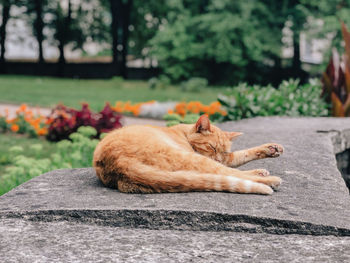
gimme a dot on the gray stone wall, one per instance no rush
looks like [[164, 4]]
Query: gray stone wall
[[68, 215]]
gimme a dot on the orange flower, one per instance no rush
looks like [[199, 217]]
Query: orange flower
[[9, 121], [223, 113], [42, 131], [180, 108], [22, 108], [14, 128], [170, 112], [194, 106], [205, 109], [29, 113], [118, 107], [136, 109], [127, 106], [48, 121]]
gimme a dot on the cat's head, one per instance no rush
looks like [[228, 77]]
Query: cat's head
[[209, 140]]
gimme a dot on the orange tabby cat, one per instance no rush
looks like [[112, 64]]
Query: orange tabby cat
[[182, 158]]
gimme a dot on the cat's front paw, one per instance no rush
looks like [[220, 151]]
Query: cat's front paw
[[270, 150]]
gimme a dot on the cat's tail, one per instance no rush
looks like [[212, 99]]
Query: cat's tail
[[144, 178]]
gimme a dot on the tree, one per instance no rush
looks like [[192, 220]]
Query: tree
[[125, 22], [35, 11], [115, 7], [120, 12], [133, 24], [39, 26], [223, 41], [6, 6], [325, 17], [146, 19], [294, 11], [66, 25]]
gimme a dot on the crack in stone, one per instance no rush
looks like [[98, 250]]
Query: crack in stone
[[179, 220]]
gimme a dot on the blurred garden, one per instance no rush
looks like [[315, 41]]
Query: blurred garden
[[74, 69]]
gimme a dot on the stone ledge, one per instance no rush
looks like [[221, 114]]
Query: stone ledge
[[313, 200]]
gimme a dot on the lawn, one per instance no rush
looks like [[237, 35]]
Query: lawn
[[47, 92]]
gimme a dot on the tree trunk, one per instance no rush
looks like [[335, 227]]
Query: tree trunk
[[61, 59], [296, 65], [39, 26], [115, 6], [5, 18], [126, 20], [63, 41]]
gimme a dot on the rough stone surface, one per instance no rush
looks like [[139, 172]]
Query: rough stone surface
[[76, 242], [71, 209]]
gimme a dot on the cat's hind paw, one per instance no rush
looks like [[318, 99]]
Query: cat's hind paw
[[275, 182], [262, 172]]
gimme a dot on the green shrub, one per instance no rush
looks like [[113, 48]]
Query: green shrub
[[175, 119], [69, 154], [3, 124], [290, 99], [152, 83], [194, 84], [162, 82]]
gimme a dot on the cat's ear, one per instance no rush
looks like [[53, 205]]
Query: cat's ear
[[233, 135], [203, 124]]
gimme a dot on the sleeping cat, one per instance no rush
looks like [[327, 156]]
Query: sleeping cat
[[182, 158]]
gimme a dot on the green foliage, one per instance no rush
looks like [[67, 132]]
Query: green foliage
[[77, 152], [218, 40], [68, 24], [69, 154], [323, 22], [290, 99], [175, 119], [162, 82], [3, 124], [22, 168], [146, 18], [194, 84]]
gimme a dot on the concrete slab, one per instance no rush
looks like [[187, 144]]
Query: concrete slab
[[313, 201]]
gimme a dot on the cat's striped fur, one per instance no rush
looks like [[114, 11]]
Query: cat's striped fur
[[182, 158]]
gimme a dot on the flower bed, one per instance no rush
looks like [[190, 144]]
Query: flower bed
[[65, 121], [62, 121], [25, 121]]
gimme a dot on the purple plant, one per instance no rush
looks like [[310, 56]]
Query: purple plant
[[65, 121]]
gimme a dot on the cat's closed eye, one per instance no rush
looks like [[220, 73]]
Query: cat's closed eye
[[211, 146]]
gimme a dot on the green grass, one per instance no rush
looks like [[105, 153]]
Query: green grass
[[47, 92], [9, 139]]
